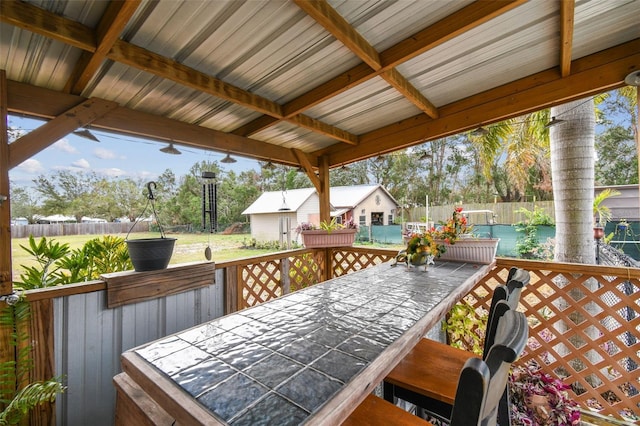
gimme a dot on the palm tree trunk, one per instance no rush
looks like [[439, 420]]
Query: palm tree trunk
[[572, 170]]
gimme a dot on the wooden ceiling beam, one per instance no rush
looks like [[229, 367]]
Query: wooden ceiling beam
[[542, 90], [308, 168], [47, 104], [331, 20], [567, 12], [337, 26], [320, 127], [35, 141], [397, 80], [148, 61], [40, 21], [449, 27], [108, 32]]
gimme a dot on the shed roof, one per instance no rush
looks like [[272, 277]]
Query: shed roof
[[342, 198], [295, 81], [271, 202]]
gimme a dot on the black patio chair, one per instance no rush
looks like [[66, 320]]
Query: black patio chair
[[480, 385], [431, 368]]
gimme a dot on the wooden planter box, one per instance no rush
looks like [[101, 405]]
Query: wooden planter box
[[321, 238], [482, 250]]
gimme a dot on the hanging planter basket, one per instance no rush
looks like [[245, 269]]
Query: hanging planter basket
[[150, 254]]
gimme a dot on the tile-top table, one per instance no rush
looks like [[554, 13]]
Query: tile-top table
[[309, 357]]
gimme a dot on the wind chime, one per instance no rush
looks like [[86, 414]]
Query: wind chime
[[209, 207]]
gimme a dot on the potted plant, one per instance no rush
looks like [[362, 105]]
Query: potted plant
[[150, 254], [537, 398], [328, 234], [601, 213], [461, 244]]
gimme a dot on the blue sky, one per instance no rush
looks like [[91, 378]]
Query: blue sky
[[114, 156]]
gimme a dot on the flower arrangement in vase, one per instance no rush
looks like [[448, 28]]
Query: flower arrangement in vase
[[421, 249]]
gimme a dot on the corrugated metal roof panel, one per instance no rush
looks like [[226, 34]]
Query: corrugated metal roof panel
[[600, 24], [365, 107]]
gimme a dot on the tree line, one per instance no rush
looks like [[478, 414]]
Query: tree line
[[508, 161]]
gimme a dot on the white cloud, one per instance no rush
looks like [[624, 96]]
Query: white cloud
[[104, 154], [31, 166], [113, 172], [64, 146], [82, 163]]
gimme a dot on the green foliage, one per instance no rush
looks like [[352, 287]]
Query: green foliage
[[304, 272], [330, 226], [18, 403], [600, 211], [536, 217], [47, 253], [527, 244], [466, 328], [57, 264]]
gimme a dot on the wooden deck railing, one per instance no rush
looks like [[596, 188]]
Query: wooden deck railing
[[584, 320], [584, 328]]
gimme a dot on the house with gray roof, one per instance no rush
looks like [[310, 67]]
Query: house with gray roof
[[275, 215]]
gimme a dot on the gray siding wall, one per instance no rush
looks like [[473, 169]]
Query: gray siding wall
[[89, 339]]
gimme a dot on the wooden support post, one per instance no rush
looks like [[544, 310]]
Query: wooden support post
[[43, 352], [325, 203], [5, 206]]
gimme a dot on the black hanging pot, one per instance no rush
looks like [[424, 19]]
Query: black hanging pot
[[150, 254]]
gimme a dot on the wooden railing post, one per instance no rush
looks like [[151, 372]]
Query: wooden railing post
[[230, 289], [285, 279]]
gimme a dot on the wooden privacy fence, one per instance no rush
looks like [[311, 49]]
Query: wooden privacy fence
[[584, 328], [59, 229]]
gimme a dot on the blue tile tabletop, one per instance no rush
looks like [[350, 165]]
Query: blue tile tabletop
[[287, 361]]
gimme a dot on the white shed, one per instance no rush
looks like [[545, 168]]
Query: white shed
[[366, 204], [267, 213]]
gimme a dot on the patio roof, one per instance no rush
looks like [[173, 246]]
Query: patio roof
[[296, 81]]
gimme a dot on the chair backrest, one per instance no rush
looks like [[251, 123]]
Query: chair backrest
[[482, 383], [516, 280]]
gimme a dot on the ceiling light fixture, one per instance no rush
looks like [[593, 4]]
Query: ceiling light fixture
[[84, 133], [228, 160], [633, 79], [554, 121], [480, 131], [425, 156], [170, 150], [380, 158], [269, 166]]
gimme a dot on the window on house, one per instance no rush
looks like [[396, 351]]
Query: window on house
[[377, 218], [362, 220]]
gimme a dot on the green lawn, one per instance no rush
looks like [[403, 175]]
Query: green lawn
[[189, 247]]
